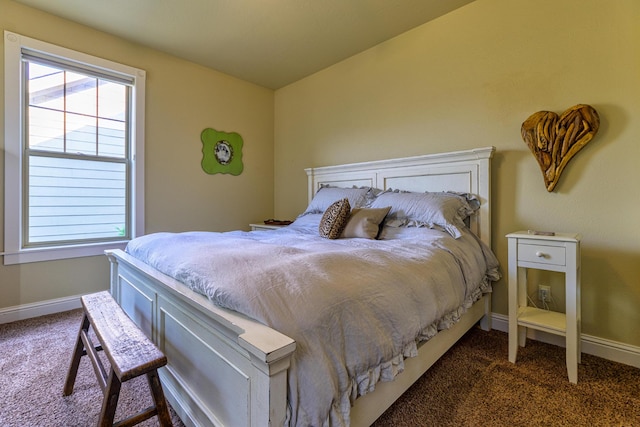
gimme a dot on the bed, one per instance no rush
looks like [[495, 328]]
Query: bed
[[225, 368]]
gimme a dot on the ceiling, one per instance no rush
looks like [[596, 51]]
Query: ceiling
[[271, 43]]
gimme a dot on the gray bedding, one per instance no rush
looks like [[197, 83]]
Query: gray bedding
[[356, 307]]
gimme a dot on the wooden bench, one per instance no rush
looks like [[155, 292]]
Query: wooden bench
[[129, 352]]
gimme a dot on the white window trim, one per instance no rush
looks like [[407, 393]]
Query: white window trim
[[13, 133]]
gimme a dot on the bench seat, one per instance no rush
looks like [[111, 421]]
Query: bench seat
[[130, 354]]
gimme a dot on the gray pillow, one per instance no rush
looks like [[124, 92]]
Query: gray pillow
[[446, 209], [325, 196]]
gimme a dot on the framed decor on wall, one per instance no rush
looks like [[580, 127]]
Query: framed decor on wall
[[221, 152]]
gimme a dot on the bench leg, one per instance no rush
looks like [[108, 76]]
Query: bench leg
[[75, 359], [158, 399], [110, 401]]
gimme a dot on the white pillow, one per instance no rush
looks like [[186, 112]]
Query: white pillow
[[307, 222], [447, 210]]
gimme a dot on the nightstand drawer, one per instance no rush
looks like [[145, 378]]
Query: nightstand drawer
[[555, 255]]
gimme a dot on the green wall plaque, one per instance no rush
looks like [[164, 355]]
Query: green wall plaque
[[221, 152]]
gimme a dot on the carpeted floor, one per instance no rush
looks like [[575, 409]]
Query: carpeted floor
[[34, 358], [472, 385]]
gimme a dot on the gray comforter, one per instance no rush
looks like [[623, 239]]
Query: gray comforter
[[356, 307]]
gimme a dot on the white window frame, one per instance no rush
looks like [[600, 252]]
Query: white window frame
[[14, 252]]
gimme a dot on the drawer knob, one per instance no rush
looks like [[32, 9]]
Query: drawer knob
[[540, 254]]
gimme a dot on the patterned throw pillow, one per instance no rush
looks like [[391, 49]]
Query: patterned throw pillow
[[335, 219]]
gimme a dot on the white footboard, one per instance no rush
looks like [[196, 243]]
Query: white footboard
[[223, 369]]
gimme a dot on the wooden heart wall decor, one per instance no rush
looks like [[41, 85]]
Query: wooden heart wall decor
[[554, 140]]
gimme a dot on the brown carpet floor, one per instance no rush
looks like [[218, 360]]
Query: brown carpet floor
[[472, 385]]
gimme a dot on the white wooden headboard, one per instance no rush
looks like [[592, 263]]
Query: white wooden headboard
[[467, 171]]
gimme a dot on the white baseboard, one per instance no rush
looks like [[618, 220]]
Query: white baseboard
[[36, 309], [600, 347]]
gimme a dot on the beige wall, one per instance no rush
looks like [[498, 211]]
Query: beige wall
[[182, 99], [469, 79], [465, 80]]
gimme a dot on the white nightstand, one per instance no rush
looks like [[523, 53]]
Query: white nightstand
[[255, 227], [561, 253]]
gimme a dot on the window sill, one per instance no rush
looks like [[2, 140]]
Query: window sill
[[61, 252]]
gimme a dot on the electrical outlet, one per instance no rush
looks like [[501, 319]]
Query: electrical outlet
[[544, 293]]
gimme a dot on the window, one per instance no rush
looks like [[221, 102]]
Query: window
[[73, 157]]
